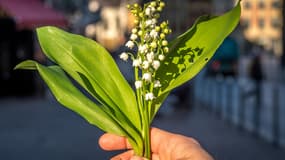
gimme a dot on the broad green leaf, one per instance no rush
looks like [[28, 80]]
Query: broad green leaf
[[92, 67], [69, 96], [190, 52]]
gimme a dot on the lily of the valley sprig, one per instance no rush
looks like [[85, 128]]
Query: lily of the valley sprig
[[149, 46], [149, 37], [159, 67]]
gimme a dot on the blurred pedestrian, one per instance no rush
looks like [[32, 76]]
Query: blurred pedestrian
[[255, 71], [256, 74], [184, 97]]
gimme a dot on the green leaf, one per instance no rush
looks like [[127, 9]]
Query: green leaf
[[191, 51], [92, 67], [72, 98], [69, 96]]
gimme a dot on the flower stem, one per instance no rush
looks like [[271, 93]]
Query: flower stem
[[144, 112], [146, 137]]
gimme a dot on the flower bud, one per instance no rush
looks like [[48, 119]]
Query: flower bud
[[166, 49], [162, 4], [157, 28], [153, 45], [140, 33], [159, 9], [136, 21], [162, 35], [164, 43], [153, 4], [166, 31], [161, 57], [134, 11], [163, 24]]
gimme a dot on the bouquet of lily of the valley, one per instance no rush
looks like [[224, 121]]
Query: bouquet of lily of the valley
[[159, 67]]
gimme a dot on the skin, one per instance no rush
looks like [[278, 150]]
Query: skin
[[165, 146]]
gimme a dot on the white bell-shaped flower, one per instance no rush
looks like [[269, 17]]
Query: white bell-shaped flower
[[133, 37], [143, 48], [148, 22], [157, 84], [150, 57], [138, 84], [130, 44], [145, 65], [149, 96], [148, 11], [136, 62], [156, 64], [153, 33], [147, 77], [124, 56]]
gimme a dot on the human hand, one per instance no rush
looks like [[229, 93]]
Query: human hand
[[164, 145]]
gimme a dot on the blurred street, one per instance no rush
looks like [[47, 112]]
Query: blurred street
[[33, 129], [235, 107]]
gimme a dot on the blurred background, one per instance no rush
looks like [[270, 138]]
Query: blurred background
[[235, 107]]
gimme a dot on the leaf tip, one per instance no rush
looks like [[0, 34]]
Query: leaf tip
[[28, 64]]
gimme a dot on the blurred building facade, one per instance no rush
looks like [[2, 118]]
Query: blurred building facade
[[115, 21], [262, 23], [108, 20]]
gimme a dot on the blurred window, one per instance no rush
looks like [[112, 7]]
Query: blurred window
[[276, 23], [276, 4], [261, 23], [261, 4], [247, 5]]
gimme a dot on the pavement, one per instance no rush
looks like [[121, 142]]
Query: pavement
[[41, 129]]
